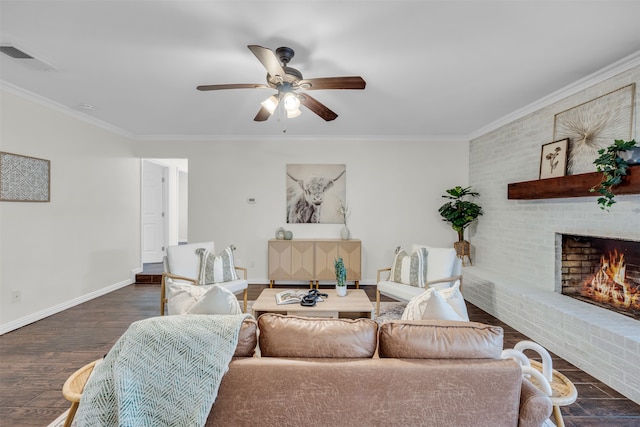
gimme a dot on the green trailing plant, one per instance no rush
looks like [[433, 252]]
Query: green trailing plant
[[460, 213], [613, 168], [341, 272]]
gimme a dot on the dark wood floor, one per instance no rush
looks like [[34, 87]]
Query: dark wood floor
[[36, 360]]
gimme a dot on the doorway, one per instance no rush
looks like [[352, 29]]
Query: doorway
[[164, 208]]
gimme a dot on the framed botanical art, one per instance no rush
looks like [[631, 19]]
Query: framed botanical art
[[553, 159], [24, 179]]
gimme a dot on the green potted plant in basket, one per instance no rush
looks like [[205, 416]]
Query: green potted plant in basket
[[613, 168], [460, 213], [341, 277]]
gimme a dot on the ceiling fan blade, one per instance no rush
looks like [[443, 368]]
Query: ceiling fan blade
[[262, 115], [234, 86], [268, 59], [352, 82], [317, 107]]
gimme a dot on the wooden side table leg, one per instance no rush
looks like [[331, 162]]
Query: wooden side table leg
[[357, 284], [271, 283]]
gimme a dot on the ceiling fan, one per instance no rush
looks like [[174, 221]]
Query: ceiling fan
[[287, 81]]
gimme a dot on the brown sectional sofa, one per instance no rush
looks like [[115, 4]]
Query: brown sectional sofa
[[342, 372]]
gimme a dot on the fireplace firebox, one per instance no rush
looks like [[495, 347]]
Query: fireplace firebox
[[602, 271]]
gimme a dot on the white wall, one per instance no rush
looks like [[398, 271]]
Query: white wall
[[394, 191], [83, 243]]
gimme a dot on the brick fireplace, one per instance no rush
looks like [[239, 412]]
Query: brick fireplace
[[602, 271]]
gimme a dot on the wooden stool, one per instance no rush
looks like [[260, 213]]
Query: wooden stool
[[73, 387], [563, 391]]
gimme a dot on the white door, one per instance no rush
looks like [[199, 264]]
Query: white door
[[153, 217]]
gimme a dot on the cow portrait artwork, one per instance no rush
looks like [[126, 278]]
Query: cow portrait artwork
[[308, 189]]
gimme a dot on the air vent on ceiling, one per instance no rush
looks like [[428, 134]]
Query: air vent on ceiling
[[25, 59]]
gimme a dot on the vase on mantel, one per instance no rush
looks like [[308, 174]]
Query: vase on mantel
[[345, 234]]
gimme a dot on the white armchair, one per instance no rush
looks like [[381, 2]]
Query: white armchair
[[444, 269], [182, 264]]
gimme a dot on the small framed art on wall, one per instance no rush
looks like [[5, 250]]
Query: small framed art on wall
[[553, 159], [24, 179]]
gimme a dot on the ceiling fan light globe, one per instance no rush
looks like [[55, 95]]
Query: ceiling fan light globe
[[270, 104], [293, 113], [291, 102]]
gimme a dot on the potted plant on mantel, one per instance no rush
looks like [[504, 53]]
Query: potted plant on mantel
[[461, 214], [613, 168]]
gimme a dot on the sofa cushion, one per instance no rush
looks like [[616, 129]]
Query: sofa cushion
[[439, 339], [297, 336], [216, 268], [410, 269], [247, 339]]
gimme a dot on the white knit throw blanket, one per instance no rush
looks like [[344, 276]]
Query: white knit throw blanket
[[164, 371]]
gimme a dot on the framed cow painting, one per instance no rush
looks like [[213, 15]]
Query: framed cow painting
[[315, 193]]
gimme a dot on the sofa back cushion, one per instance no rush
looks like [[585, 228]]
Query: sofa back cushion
[[439, 339], [297, 336], [247, 339]]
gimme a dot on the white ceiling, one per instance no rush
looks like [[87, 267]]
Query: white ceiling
[[434, 69]]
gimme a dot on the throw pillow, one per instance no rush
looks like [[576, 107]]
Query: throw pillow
[[181, 296], [410, 269], [216, 268], [441, 261], [432, 304], [189, 299], [216, 300], [454, 298]]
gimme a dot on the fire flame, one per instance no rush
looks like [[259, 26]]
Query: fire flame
[[609, 284]]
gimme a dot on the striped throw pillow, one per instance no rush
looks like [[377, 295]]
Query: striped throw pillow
[[216, 268], [410, 269]]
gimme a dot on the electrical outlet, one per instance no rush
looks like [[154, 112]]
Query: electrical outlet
[[16, 296]]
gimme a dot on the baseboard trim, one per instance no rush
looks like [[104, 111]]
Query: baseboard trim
[[34, 317]]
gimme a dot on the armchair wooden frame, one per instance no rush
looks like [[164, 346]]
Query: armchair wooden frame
[[426, 285], [194, 282], [73, 388]]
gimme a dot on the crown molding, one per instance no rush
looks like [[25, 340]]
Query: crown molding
[[599, 76], [46, 102], [280, 138], [23, 93]]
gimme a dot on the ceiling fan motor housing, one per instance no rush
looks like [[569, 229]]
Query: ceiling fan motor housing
[[285, 54]]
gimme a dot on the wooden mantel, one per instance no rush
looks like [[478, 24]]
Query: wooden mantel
[[572, 186]]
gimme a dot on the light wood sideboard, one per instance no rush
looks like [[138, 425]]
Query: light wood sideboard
[[312, 260]]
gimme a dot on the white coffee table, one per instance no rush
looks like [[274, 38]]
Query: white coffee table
[[355, 304]]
